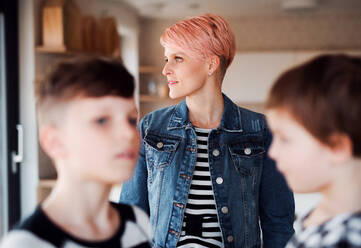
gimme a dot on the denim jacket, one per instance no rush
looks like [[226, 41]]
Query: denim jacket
[[249, 191]]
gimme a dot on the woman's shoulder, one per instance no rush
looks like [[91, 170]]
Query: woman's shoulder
[[252, 121], [162, 112], [161, 119], [250, 113], [343, 230]]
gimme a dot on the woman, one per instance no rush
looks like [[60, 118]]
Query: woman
[[203, 174]]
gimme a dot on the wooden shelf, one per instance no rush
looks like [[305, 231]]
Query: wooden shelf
[[47, 183], [53, 50], [150, 69], [44, 188], [64, 51], [149, 98], [45, 49]]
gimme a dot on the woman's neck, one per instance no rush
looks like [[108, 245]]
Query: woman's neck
[[205, 109]]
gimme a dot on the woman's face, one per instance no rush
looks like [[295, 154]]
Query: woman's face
[[185, 75]]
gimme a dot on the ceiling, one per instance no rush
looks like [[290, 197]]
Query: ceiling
[[238, 8]]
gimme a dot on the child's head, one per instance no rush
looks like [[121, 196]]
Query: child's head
[[314, 111], [87, 119], [202, 37]]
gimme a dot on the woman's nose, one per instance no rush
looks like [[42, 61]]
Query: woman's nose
[[166, 70]]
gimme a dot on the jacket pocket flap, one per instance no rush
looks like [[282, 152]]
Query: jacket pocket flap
[[247, 149], [162, 142]]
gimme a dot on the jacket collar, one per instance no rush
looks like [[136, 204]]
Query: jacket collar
[[231, 118]]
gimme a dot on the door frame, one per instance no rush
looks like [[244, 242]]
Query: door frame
[[9, 9]]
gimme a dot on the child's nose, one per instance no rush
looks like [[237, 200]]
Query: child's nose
[[128, 133], [272, 151]]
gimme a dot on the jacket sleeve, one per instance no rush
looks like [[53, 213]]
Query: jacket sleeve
[[277, 207], [135, 191]]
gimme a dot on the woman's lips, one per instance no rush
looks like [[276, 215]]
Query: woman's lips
[[172, 82]]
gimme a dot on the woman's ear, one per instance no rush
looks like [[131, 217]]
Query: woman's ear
[[51, 141], [341, 147], [213, 64]]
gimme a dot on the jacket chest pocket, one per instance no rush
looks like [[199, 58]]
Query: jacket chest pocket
[[160, 149], [247, 156]]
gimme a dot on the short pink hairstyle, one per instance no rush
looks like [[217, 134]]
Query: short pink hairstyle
[[202, 37]]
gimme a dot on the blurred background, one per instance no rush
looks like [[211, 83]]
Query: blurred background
[[271, 35]]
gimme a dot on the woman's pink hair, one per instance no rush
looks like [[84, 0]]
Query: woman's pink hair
[[202, 37]]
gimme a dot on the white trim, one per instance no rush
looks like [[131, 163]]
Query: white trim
[[4, 213]]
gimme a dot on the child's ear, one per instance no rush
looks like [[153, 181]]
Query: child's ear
[[341, 147], [51, 142]]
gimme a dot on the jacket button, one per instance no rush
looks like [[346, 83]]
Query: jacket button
[[219, 180], [215, 152], [230, 238], [160, 145], [247, 151], [224, 210]]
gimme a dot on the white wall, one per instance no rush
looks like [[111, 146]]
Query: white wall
[[251, 74]]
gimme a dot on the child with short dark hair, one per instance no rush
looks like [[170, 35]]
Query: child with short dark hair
[[314, 111], [88, 126]]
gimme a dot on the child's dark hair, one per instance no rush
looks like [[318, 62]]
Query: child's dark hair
[[87, 76], [323, 95], [83, 77]]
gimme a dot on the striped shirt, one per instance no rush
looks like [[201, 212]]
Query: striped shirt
[[343, 230], [200, 224], [38, 231]]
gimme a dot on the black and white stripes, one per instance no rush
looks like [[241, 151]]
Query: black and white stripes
[[200, 224]]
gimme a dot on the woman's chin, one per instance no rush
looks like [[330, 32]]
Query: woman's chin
[[174, 95]]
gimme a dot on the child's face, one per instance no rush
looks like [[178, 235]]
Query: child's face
[[100, 139], [301, 158]]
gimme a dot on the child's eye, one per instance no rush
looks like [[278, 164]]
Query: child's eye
[[133, 121], [283, 139], [178, 59], [101, 120]]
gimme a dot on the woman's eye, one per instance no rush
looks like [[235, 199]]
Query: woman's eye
[[179, 59], [101, 120], [133, 121], [165, 60]]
